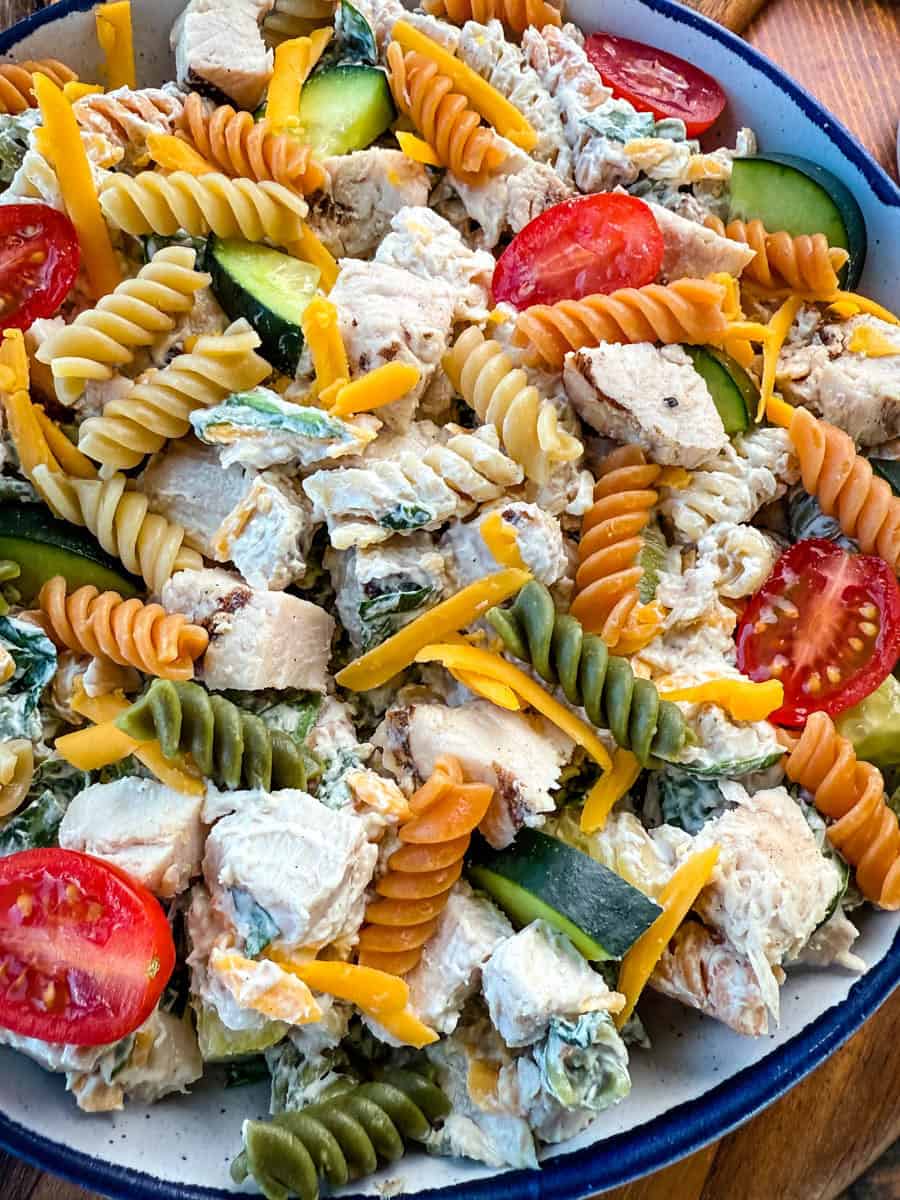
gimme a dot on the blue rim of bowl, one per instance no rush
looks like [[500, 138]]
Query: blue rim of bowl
[[673, 1135]]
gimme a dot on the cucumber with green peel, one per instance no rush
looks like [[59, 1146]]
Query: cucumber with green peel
[[887, 469], [270, 289], [353, 40], [734, 393], [43, 547], [792, 194], [540, 877], [345, 108]]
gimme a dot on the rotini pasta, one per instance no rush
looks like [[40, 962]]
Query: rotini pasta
[[126, 116], [234, 748], [606, 598], [120, 520], [159, 407], [342, 1138], [248, 149], [17, 82], [416, 886], [443, 117], [127, 632], [16, 772], [843, 483], [804, 264], [199, 205], [296, 18], [695, 311], [604, 685], [136, 314], [851, 794], [516, 15], [473, 467], [500, 394]]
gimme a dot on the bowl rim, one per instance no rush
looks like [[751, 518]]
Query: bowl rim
[[672, 1135]]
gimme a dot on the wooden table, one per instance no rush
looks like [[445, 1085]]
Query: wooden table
[[817, 1140]]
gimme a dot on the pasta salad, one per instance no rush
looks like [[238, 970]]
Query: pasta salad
[[449, 536]]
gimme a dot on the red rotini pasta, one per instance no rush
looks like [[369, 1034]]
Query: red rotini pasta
[[516, 15], [17, 81], [805, 264]]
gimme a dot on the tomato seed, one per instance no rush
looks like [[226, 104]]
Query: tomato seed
[[868, 628], [834, 674], [25, 904], [856, 644]]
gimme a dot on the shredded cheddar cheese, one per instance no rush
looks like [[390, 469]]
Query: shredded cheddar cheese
[[872, 343], [607, 791], [294, 60], [489, 689], [417, 149], [323, 336], [382, 386], [250, 983], [502, 541], [312, 250], [175, 155], [76, 90], [116, 41], [673, 477], [742, 698], [68, 457]]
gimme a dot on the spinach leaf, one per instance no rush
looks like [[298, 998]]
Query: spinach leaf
[[251, 1070], [254, 923], [405, 516], [689, 801], [34, 656], [36, 824], [393, 596]]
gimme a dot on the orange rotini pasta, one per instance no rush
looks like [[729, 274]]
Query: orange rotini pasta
[[689, 310], [444, 118], [606, 598], [128, 632], [241, 147], [17, 82], [516, 15], [414, 891], [851, 794], [805, 264]]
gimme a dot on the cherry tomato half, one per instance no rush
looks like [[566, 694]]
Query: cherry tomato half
[[39, 256], [85, 950], [580, 247], [827, 624], [657, 82]]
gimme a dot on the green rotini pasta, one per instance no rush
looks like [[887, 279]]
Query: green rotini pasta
[[603, 684], [341, 1138], [232, 747]]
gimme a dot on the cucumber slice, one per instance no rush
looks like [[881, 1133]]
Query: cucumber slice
[[269, 289], [887, 469], [353, 40], [734, 393], [790, 193], [218, 1043], [44, 547], [541, 877], [344, 108]]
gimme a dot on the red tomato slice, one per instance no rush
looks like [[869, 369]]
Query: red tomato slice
[[85, 950], [39, 256], [580, 247], [827, 624], [657, 82]]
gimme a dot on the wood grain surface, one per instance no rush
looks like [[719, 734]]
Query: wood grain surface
[[817, 1142]]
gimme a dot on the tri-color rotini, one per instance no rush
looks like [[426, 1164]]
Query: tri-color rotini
[[851, 793], [343, 1137], [516, 15], [472, 467], [604, 685], [232, 747], [128, 632], [416, 886], [16, 773], [499, 392], [804, 264], [138, 313], [17, 81]]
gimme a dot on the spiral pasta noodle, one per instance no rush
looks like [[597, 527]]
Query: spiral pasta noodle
[[442, 116], [341, 1138], [126, 116], [203, 204], [147, 544], [472, 467], [688, 310], [234, 748], [499, 392], [159, 407], [415, 889], [846, 488], [17, 82], [602, 684], [296, 18], [805, 263], [127, 632], [516, 15], [239, 146], [851, 794], [606, 598], [137, 313], [16, 773]]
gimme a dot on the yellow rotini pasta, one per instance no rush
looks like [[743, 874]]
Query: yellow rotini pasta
[[443, 117], [16, 772], [17, 82], [127, 632], [159, 406], [472, 467], [119, 518], [239, 146], [164, 204], [695, 311], [136, 314], [516, 15], [805, 264], [528, 425]]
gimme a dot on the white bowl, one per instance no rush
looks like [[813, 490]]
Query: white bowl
[[700, 1080]]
